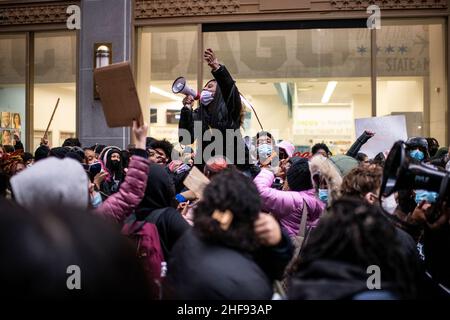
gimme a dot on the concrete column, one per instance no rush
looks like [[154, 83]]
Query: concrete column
[[101, 21]]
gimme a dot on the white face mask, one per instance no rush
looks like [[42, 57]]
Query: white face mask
[[206, 97], [389, 204]]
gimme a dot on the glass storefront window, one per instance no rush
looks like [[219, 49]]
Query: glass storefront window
[[12, 87], [307, 86], [55, 77], [411, 77], [164, 54]]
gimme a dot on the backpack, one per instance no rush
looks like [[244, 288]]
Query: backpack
[[145, 237]]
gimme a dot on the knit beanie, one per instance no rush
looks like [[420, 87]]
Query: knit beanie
[[299, 176]]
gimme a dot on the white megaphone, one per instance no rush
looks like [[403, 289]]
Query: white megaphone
[[180, 86]]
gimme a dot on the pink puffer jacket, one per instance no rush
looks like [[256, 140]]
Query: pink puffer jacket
[[287, 206], [122, 203]]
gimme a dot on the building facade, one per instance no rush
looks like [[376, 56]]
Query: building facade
[[308, 67]]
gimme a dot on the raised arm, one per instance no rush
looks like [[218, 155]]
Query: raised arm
[[279, 203], [226, 84], [122, 203], [356, 146]]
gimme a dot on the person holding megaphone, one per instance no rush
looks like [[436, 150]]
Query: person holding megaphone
[[219, 116]]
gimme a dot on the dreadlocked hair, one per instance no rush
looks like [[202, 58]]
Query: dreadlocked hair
[[359, 234]]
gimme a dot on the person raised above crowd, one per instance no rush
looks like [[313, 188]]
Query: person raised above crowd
[[220, 112]]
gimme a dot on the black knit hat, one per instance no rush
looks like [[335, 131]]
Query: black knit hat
[[41, 153], [299, 176]]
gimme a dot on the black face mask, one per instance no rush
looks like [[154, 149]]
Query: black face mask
[[115, 164]]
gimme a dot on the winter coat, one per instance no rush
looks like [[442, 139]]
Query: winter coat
[[287, 206], [319, 165], [202, 270], [122, 203], [223, 113], [159, 194], [333, 280]]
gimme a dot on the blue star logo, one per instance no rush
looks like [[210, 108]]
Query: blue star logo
[[389, 49], [362, 50], [403, 49]]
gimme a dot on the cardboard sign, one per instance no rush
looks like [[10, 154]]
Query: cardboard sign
[[388, 130], [196, 181], [120, 101]]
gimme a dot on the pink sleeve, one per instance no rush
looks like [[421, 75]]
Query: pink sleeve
[[279, 203], [122, 203]]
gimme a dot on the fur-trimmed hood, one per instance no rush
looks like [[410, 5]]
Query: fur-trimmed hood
[[326, 169]]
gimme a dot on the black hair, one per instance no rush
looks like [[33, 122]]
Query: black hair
[[59, 152], [433, 146], [319, 146], [359, 234], [27, 156], [41, 152], [71, 142], [9, 148], [164, 145], [37, 249], [361, 157], [263, 134], [379, 159], [149, 141], [229, 190]]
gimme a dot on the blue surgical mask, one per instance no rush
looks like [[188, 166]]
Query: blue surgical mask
[[428, 196], [323, 195], [96, 200], [183, 168], [206, 97], [417, 154], [264, 150]]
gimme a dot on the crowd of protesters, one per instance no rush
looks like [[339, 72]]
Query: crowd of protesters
[[277, 225]]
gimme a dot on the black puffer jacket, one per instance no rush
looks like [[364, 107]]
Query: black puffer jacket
[[223, 113]]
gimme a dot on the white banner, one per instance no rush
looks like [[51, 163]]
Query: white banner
[[388, 130]]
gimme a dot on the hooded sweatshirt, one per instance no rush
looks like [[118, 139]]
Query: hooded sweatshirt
[[52, 182], [156, 208]]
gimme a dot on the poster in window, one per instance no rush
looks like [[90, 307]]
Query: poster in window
[[16, 121], [6, 120], [6, 137]]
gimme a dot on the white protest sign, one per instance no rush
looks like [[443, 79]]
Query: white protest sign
[[388, 130]]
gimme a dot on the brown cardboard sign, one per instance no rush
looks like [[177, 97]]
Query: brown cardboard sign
[[117, 90], [196, 181]]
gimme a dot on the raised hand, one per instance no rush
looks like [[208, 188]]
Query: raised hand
[[188, 101], [267, 230], [211, 59], [140, 133]]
